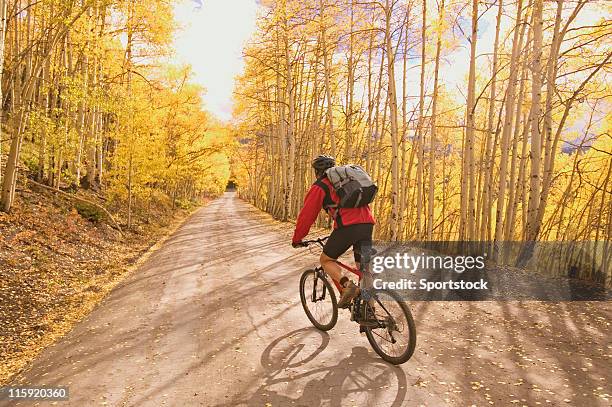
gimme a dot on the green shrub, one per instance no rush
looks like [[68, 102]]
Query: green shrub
[[89, 212]]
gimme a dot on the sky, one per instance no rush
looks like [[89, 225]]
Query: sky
[[210, 38]]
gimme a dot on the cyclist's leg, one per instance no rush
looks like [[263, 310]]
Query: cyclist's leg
[[339, 242], [331, 267], [366, 276], [357, 256], [336, 245], [365, 243], [364, 235]]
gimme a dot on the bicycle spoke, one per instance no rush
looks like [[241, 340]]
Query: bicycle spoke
[[318, 301], [380, 336], [392, 338]]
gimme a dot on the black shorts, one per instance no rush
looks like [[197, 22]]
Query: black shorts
[[343, 238]]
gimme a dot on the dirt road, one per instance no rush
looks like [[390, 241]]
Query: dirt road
[[213, 318]]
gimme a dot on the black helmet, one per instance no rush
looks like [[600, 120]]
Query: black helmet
[[323, 162]]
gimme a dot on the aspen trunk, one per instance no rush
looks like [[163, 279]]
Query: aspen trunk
[[404, 172], [392, 95], [534, 115], [510, 104], [419, 139], [327, 73], [432, 138], [486, 205], [468, 212], [513, 184], [81, 118], [3, 25], [348, 143], [130, 33], [291, 123]]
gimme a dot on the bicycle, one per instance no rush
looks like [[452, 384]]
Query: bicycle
[[371, 309]]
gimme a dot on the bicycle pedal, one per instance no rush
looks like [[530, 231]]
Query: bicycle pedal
[[368, 324]]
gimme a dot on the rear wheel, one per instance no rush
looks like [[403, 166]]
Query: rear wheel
[[395, 339], [319, 300]]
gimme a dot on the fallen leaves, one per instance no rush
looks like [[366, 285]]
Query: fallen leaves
[[54, 267]]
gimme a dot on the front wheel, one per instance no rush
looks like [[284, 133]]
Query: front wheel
[[395, 338], [318, 299]]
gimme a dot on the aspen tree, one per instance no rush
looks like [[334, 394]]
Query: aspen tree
[[432, 137], [468, 213], [509, 108], [536, 92], [419, 138], [489, 149], [3, 25], [392, 96]]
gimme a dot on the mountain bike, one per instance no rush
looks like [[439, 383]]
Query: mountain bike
[[382, 314]]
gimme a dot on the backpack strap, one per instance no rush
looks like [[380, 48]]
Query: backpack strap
[[328, 203]]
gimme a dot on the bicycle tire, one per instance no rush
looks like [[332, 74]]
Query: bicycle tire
[[306, 299], [407, 354]]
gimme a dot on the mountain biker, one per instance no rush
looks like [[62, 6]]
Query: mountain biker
[[351, 225]]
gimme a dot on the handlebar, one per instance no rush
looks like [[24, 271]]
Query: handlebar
[[320, 241]]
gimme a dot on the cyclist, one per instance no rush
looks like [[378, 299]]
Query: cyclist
[[351, 225]]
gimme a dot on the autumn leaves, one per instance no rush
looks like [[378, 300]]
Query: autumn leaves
[[89, 102], [487, 159]]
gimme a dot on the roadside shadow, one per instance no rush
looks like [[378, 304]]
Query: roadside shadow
[[357, 379]]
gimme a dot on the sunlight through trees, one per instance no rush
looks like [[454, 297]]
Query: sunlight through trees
[[520, 149]]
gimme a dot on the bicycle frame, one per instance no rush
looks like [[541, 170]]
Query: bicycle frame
[[348, 268], [356, 312]]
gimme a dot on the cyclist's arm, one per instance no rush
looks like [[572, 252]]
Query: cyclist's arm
[[312, 206]]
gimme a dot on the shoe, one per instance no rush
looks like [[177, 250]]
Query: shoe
[[348, 294]]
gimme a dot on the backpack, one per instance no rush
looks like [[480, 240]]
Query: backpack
[[353, 185]]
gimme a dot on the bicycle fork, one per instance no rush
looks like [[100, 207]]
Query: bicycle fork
[[319, 274]]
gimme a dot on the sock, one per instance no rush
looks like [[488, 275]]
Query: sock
[[343, 281]]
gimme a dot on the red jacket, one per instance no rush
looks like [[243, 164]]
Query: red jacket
[[314, 202]]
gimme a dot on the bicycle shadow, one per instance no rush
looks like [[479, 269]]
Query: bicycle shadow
[[357, 379]]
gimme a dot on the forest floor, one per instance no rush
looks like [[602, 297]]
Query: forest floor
[[213, 318], [55, 266]]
